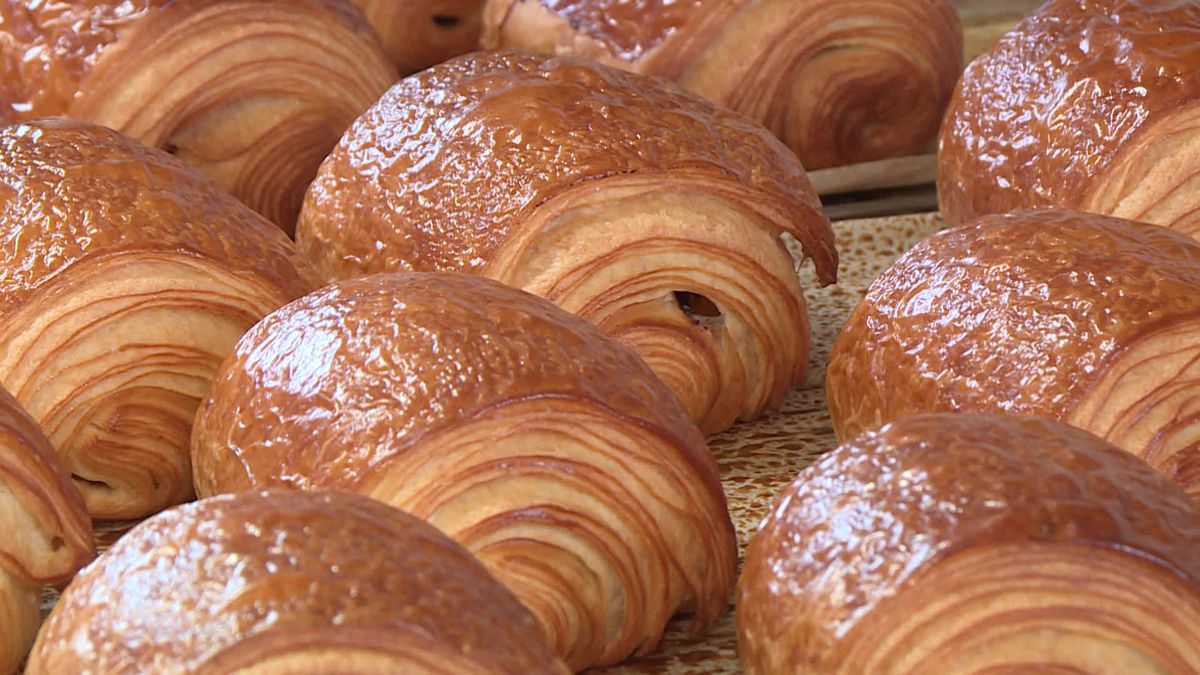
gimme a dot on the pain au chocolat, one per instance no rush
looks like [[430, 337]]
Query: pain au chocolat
[[621, 198], [253, 92], [1087, 319], [288, 582], [839, 82], [547, 449], [420, 33], [1091, 105], [45, 534], [973, 543], [125, 279]]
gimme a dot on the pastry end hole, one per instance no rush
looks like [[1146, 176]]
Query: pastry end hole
[[696, 306], [445, 21]]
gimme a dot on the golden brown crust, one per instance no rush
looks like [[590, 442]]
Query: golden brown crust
[[126, 278], [444, 169], [73, 191], [1020, 313], [838, 82], [52, 47], [459, 347], [43, 497], [878, 517], [258, 120], [418, 34], [544, 447], [235, 581], [1042, 118]]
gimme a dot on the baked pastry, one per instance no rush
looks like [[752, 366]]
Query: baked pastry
[[45, 534], [1083, 318], [253, 92], [621, 198], [1091, 105], [974, 543], [288, 582], [421, 33], [125, 279], [545, 448], [839, 82]]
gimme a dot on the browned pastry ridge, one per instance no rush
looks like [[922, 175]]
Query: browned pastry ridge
[[1092, 105], [621, 198], [45, 534], [839, 82], [974, 543], [125, 279], [289, 582], [547, 449], [421, 33], [1083, 318], [253, 92]]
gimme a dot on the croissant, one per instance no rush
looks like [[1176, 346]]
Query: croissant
[[839, 82], [253, 92], [1090, 105], [974, 543], [1087, 319], [45, 534], [288, 582], [548, 450], [125, 279], [621, 198], [421, 33]]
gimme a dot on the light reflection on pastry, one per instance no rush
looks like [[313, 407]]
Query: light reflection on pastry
[[1093, 106], [289, 582], [621, 198], [126, 277], [972, 543], [253, 92], [839, 82], [544, 447], [1082, 318]]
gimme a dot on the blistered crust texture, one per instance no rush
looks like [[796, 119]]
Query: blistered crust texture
[[1049, 109], [838, 82], [855, 527], [396, 357], [439, 174], [201, 585], [50, 47], [1019, 313], [73, 191]]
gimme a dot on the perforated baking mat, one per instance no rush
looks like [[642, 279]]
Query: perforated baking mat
[[757, 460]]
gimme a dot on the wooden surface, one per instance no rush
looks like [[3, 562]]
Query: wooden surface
[[757, 460], [905, 184]]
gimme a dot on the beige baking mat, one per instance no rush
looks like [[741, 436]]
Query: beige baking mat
[[757, 460]]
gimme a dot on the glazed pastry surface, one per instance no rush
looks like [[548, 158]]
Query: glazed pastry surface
[[285, 581], [1077, 317], [253, 93], [125, 279], [545, 448], [621, 198], [1087, 104], [963, 542], [838, 82], [459, 155], [418, 34], [45, 534]]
